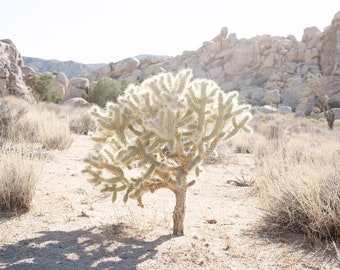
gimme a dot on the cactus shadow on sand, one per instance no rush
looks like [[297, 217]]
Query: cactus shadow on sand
[[103, 247]]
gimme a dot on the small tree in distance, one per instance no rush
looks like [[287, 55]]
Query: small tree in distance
[[165, 127], [316, 94], [106, 89], [45, 91]]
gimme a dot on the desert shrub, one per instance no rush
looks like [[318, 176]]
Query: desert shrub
[[245, 144], [80, 121], [44, 127], [298, 179], [20, 169], [44, 90], [106, 89], [10, 113], [78, 118], [36, 125]]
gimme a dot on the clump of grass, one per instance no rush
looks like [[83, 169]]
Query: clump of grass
[[78, 118], [43, 127], [298, 179], [10, 113], [80, 121], [245, 143], [26, 131], [19, 172], [30, 123]]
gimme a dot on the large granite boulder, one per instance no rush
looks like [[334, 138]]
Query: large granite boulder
[[76, 102], [11, 77], [60, 83], [76, 88], [29, 75], [330, 48]]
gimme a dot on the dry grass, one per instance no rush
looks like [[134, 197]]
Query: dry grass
[[36, 125], [45, 128], [298, 178], [26, 130], [20, 169], [78, 118], [10, 112]]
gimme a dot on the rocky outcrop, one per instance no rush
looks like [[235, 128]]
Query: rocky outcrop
[[267, 70], [60, 83], [133, 68], [70, 68], [11, 78], [76, 88], [29, 75]]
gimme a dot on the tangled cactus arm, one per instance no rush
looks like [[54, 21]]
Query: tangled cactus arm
[[163, 129]]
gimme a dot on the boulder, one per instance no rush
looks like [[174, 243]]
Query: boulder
[[11, 77], [105, 71], [125, 67], [215, 72], [311, 36], [267, 109], [299, 114], [285, 109], [152, 70], [336, 111], [76, 102], [272, 97], [76, 88], [330, 48], [62, 78], [257, 95], [336, 18], [242, 57], [80, 83], [29, 75]]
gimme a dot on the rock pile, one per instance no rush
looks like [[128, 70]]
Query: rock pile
[[267, 70]]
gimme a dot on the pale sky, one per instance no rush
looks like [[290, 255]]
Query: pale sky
[[103, 31]]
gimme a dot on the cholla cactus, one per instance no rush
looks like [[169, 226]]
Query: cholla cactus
[[165, 127]]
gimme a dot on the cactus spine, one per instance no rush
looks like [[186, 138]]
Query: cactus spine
[[166, 127]]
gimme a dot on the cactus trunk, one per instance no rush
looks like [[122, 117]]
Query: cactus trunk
[[179, 212]]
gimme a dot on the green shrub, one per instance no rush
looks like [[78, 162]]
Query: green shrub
[[44, 89], [106, 89]]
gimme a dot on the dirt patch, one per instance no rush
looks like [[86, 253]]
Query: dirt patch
[[74, 226]]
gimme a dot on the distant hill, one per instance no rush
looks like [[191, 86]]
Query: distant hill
[[70, 68]]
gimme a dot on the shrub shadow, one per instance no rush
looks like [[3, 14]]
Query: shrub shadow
[[317, 252], [94, 248]]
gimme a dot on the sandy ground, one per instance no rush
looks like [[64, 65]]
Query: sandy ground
[[73, 226]]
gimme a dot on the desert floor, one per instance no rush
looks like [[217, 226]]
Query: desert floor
[[73, 226]]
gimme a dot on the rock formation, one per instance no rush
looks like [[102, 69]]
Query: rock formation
[[11, 78], [76, 88], [265, 69]]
